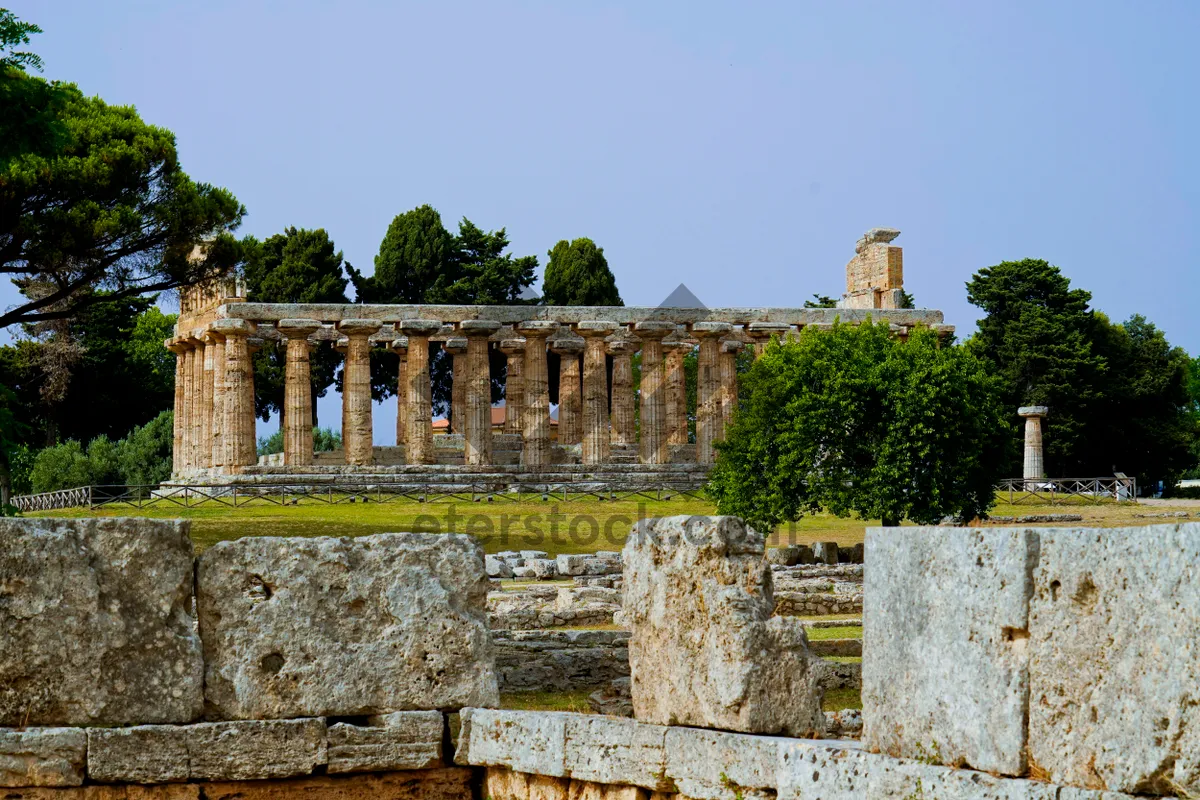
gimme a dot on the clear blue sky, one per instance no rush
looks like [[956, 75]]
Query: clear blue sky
[[740, 147]]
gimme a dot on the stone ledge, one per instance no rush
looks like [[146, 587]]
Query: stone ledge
[[42, 757]]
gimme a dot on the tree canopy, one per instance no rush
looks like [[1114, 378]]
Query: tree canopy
[[577, 274], [853, 421]]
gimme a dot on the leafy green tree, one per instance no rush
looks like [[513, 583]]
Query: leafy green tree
[[324, 440], [577, 274], [14, 457], [107, 213], [852, 421], [69, 465], [821, 301], [29, 107], [14, 32], [144, 456], [296, 266], [416, 261]]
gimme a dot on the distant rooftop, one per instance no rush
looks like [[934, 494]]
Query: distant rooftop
[[682, 297]]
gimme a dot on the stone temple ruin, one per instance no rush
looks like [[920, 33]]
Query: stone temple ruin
[[596, 434], [999, 664]]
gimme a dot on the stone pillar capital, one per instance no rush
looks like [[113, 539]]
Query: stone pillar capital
[[590, 328], [420, 327], [622, 347], [359, 327], [732, 346], [512, 346], [654, 329], [702, 330], [177, 345], [536, 328], [298, 328], [456, 346], [763, 331], [212, 337], [478, 327], [234, 327], [566, 347], [400, 345], [1033, 411]]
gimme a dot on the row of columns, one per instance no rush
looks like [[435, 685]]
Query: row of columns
[[214, 400]]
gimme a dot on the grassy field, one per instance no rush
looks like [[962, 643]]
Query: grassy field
[[581, 525]]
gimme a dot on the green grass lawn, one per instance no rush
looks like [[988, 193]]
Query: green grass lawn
[[578, 525], [821, 634]]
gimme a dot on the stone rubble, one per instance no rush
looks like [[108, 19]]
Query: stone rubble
[[554, 660]]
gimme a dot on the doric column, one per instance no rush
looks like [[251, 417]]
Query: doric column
[[240, 446], [596, 437], [653, 438], [536, 416], [570, 401], [710, 421], [176, 346], [624, 419], [729, 386], [400, 348], [297, 392], [456, 348], [418, 442], [514, 383], [196, 403], [1035, 467], [189, 388], [217, 441], [477, 430], [357, 436], [762, 333], [674, 353], [206, 400]]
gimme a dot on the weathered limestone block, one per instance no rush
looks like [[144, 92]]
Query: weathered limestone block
[[400, 740], [1114, 667], [946, 613], [42, 757], [825, 552], [708, 765], [486, 738], [497, 567], [167, 791], [344, 627], [501, 783], [96, 624], [207, 751], [698, 596], [586, 790], [433, 784], [614, 750]]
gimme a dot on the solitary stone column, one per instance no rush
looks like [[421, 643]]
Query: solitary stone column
[[217, 443], [477, 430], [457, 350], [596, 438], [177, 461], [197, 406], [400, 348], [297, 392], [710, 419], [1035, 468], [729, 386], [536, 416], [419, 441], [762, 333], [624, 420], [206, 400], [514, 384], [570, 405], [653, 440], [240, 448], [357, 436], [674, 353]]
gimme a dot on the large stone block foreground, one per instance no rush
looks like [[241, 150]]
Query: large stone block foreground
[[96, 624], [344, 627], [1079, 647], [705, 649]]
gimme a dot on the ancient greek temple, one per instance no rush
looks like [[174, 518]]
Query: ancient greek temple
[[601, 419]]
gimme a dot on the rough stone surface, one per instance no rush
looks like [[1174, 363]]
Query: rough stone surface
[[43, 757], [344, 627], [698, 597], [434, 784], [1115, 658], [947, 618], [708, 765], [615, 699], [524, 741], [396, 741], [614, 750], [550, 660], [169, 791], [209, 751], [497, 567], [96, 624]]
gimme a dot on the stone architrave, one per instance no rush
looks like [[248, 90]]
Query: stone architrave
[[419, 441], [624, 418], [218, 401], [729, 381], [457, 350], [178, 437], [674, 353], [196, 415], [698, 597], [570, 403], [1035, 469], [596, 435], [357, 436], [206, 398], [477, 450], [536, 415], [344, 627], [514, 384], [400, 347], [710, 418], [653, 439], [297, 392], [946, 613], [763, 332], [240, 444], [97, 623]]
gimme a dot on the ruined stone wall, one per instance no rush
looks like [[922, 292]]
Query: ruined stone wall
[[875, 276]]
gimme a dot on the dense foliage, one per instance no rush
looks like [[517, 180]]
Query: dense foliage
[[143, 457], [1118, 394], [324, 440], [577, 274], [853, 421]]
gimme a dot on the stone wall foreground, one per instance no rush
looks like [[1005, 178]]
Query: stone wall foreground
[[1066, 653], [705, 649]]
